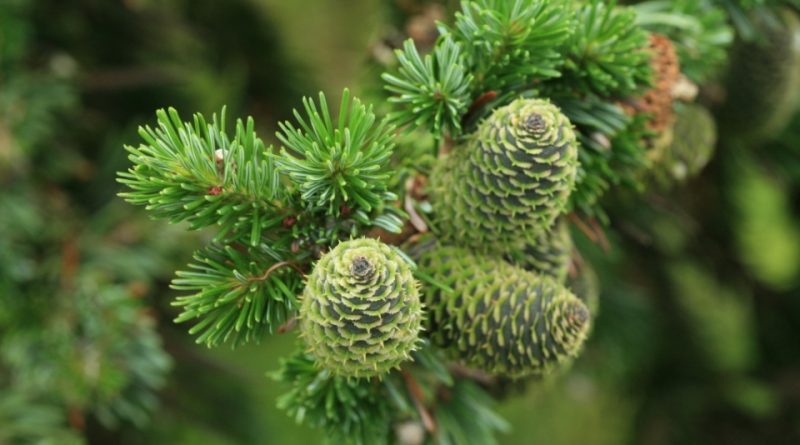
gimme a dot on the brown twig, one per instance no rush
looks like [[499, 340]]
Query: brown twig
[[275, 267], [479, 102], [416, 395], [585, 229], [592, 230], [288, 326], [601, 235], [70, 260], [473, 374]]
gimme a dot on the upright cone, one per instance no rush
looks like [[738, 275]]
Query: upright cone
[[512, 177], [361, 313]]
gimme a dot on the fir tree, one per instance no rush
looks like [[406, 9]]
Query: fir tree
[[422, 245], [283, 215]]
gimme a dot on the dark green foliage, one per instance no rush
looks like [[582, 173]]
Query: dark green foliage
[[510, 180], [432, 92], [338, 163], [525, 102], [99, 353], [32, 96], [511, 43], [197, 173], [361, 314], [25, 421], [497, 317], [765, 76], [465, 417], [606, 53], [699, 30], [351, 411], [276, 211], [612, 149], [238, 295]]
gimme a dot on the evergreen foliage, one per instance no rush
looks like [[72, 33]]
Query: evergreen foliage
[[197, 173], [434, 90], [341, 163], [351, 411], [238, 296], [606, 53], [528, 103], [698, 28]]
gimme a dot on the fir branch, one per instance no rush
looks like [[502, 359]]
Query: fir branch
[[466, 416], [612, 149], [511, 43], [351, 411], [607, 53], [336, 163], [698, 28], [237, 296], [432, 92], [97, 353], [24, 420], [197, 173]]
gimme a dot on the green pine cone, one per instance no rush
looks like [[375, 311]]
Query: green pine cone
[[512, 177], [499, 318], [695, 137], [361, 313], [548, 254]]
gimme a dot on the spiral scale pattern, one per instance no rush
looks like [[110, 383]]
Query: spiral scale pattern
[[510, 180], [361, 313], [499, 318]]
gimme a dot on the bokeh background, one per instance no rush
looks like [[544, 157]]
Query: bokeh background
[[698, 336]]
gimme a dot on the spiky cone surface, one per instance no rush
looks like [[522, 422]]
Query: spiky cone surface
[[695, 135], [512, 177], [657, 101], [548, 254], [763, 84], [361, 313], [499, 318]]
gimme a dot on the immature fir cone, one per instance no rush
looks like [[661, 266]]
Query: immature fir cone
[[361, 313], [657, 101], [511, 179], [694, 141], [499, 318], [548, 254]]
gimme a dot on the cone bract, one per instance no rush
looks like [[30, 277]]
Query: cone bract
[[500, 318], [361, 312], [512, 177]]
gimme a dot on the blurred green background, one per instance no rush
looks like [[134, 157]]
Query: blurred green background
[[698, 337]]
